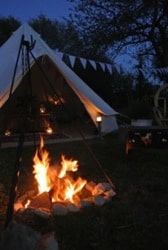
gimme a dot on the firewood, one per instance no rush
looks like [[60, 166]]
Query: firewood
[[41, 201], [110, 193]]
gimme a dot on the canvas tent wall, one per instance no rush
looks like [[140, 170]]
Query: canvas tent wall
[[59, 73]]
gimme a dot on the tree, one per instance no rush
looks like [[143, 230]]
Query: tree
[[118, 24], [48, 29], [65, 37], [7, 26], [58, 35]]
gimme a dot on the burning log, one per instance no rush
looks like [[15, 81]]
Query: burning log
[[21, 202], [41, 201], [39, 205], [109, 193], [90, 186], [100, 188]]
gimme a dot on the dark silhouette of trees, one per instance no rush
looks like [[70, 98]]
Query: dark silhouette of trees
[[7, 26], [118, 24], [65, 37]]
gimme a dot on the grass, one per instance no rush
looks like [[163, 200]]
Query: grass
[[136, 218]]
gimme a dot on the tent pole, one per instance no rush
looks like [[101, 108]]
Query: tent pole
[[97, 161], [13, 188], [15, 177], [16, 65], [12, 84], [45, 76], [29, 46]]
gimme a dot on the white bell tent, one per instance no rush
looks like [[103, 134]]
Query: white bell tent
[[65, 82]]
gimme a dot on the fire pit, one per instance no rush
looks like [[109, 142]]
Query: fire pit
[[58, 192]]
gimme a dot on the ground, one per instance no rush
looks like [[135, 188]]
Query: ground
[[136, 218]]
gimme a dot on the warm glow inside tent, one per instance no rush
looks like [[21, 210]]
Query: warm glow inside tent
[[51, 81]]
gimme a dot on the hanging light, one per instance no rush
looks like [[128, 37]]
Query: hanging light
[[99, 121], [7, 132], [58, 100], [49, 130], [42, 109]]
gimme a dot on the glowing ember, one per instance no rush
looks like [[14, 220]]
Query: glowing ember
[[27, 203], [49, 130]]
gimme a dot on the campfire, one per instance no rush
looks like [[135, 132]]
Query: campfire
[[57, 190]]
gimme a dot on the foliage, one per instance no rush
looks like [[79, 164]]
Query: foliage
[[48, 30], [65, 37], [123, 23], [7, 26], [58, 35], [123, 89]]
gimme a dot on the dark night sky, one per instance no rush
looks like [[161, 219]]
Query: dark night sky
[[26, 10]]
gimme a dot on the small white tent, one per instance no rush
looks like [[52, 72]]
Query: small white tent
[[93, 104]]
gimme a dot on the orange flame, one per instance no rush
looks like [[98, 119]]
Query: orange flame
[[60, 185], [72, 189], [67, 165], [41, 166]]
